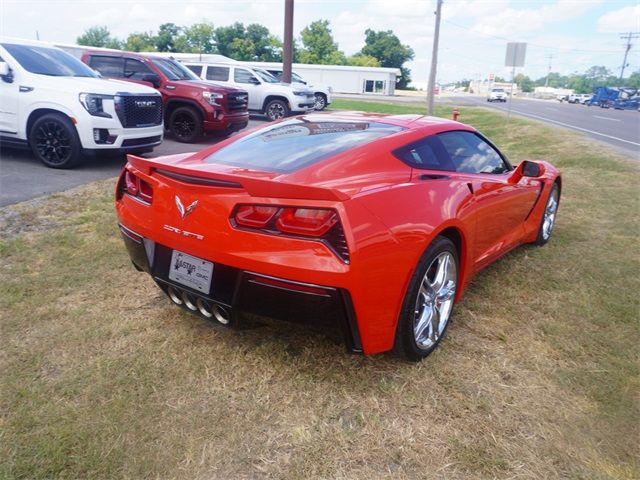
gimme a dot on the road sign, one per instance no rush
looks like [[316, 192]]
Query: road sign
[[492, 77], [516, 52]]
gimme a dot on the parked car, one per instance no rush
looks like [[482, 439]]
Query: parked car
[[192, 107], [321, 91], [267, 95], [497, 95], [376, 222], [562, 97], [63, 110]]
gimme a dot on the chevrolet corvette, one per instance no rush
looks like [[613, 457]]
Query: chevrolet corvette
[[375, 222]]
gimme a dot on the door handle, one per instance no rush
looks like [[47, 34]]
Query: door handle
[[433, 176], [25, 89]]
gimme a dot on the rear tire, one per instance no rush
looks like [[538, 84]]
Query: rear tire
[[185, 124], [54, 141], [428, 303]]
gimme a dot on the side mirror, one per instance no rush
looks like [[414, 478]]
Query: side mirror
[[153, 79], [526, 169], [532, 169], [5, 72]]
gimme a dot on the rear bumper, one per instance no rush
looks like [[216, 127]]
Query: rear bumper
[[239, 290]]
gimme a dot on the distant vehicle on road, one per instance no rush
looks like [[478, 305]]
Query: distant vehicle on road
[[579, 98], [191, 107], [497, 95], [55, 104]]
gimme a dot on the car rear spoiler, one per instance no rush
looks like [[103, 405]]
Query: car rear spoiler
[[256, 187]]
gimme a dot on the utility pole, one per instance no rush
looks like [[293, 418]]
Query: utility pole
[[628, 37], [431, 87], [546, 81], [287, 50]]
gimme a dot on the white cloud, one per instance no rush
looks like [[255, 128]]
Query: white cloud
[[625, 19]]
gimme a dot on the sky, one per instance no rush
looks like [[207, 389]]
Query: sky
[[572, 35]]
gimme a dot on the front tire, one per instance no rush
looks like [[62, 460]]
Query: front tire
[[276, 109], [320, 102], [429, 301], [549, 216], [54, 141], [185, 124]]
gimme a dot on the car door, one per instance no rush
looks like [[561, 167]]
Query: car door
[[243, 78], [501, 203], [9, 102]]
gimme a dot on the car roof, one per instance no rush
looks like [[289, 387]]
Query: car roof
[[408, 121]]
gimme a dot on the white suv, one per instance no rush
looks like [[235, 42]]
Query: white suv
[[497, 95], [62, 109], [267, 94], [322, 92]]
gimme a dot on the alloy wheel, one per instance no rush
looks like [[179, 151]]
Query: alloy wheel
[[53, 143], [435, 300], [550, 213]]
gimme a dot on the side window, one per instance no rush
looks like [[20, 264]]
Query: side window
[[471, 154], [241, 75], [427, 154], [197, 69], [107, 66], [218, 73], [135, 69]]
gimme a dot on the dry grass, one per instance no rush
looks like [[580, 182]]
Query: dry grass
[[100, 377]]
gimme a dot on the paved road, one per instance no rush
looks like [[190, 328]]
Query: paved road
[[620, 128], [22, 177]]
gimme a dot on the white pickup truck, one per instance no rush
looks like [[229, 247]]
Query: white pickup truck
[[62, 109], [267, 94]]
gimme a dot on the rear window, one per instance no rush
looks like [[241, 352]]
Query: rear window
[[298, 143]]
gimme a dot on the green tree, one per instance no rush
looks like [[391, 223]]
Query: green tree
[[225, 37], [524, 82], [634, 80], [140, 42], [386, 47], [200, 37], [165, 41], [360, 60], [98, 37], [319, 46]]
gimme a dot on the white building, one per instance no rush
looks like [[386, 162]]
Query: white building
[[345, 78]]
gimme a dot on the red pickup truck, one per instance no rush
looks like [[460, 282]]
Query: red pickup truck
[[192, 107]]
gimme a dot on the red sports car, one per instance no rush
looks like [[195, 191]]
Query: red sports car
[[375, 221]]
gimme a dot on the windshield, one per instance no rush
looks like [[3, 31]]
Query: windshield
[[297, 143], [266, 76], [174, 70], [498, 90], [48, 61]]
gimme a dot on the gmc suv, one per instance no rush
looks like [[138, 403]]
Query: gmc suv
[[192, 107], [55, 104], [266, 94]]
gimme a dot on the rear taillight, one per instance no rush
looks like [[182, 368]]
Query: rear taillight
[[310, 222], [136, 187], [255, 216], [321, 224]]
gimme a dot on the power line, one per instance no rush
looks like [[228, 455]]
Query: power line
[[628, 37]]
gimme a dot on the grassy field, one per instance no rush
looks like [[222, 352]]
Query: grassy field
[[101, 377]]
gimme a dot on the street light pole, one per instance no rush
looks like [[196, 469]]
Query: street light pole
[[287, 50], [434, 61]]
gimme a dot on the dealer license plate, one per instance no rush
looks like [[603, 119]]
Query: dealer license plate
[[191, 271]]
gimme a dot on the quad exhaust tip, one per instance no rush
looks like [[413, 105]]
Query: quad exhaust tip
[[197, 304]]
